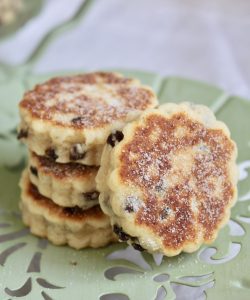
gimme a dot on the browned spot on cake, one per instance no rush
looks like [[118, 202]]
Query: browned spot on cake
[[134, 97], [49, 166], [64, 212], [212, 152], [174, 230], [73, 97]]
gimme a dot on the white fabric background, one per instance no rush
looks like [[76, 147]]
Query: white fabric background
[[204, 40]]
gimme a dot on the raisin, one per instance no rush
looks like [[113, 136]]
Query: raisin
[[50, 152], [22, 134], [121, 234], [75, 210], [77, 120], [76, 152], [165, 212], [159, 186], [115, 137], [34, 171], [137, 247], [129, 207], [89, 196]]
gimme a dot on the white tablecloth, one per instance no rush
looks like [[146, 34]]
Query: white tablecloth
[[204, 40]]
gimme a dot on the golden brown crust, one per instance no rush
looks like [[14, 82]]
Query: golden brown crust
[[144, 165], [82, 100], [50, 167]]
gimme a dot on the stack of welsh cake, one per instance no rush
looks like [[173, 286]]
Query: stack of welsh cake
[[65, 122]]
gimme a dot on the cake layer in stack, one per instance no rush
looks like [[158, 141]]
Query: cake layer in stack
[[65, 122], [75, 226]]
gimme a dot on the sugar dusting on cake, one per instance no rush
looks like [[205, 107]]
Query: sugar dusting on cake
[[182, 171], [87, 101]]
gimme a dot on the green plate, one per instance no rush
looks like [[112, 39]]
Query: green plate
[[31, 268], [30, 9]]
